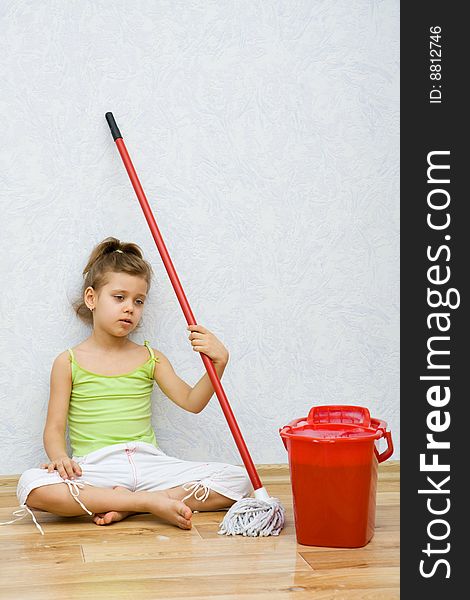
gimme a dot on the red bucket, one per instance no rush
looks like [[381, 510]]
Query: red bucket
[[333, 465]]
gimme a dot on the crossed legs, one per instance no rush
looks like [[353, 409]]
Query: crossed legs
[[214, 501], [167, 504]]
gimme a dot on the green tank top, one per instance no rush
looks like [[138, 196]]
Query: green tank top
[[109, 409]]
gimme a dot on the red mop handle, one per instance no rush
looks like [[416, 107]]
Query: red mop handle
[[219, 390]]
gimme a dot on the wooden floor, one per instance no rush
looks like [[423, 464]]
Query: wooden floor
[[143, 558]]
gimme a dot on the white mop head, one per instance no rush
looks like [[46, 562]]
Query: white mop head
[[254, 517]]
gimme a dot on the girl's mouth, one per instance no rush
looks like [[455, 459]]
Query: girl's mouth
[[125, 322]]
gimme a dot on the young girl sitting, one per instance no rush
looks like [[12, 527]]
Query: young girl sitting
[[103, 388]]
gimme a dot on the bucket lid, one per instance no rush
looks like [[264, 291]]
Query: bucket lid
[[336, 423]]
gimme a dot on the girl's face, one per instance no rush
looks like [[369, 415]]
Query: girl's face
[[119, 305]]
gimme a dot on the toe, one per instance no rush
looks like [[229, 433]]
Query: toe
[[184, 523], [185, 512]]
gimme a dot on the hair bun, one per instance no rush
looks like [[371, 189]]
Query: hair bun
[[110, 247]]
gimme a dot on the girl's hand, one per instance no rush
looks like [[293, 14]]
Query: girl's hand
[[65, 466], [204, 341]]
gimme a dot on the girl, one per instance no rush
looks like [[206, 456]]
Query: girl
[[102, 387]]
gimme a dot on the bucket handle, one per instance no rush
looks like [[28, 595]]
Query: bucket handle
[[357, 415], [387, 453], [287, 429]]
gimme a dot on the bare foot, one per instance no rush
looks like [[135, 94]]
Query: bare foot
[[159, 503], [113, 515], [174, 511]]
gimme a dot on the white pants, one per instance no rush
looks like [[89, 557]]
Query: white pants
[[140, 466]]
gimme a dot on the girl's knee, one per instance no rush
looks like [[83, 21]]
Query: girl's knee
[[35, 498], [42, 496], [32, 479]]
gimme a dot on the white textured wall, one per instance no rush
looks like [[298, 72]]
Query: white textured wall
[[266, 137]]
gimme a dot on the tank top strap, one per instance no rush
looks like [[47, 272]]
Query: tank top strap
[[73, 364], [150, 349]]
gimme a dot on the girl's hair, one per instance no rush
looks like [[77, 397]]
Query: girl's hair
[[103, 260]]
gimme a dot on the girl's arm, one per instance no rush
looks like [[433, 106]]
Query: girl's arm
[[54, 430], [193, 399], [60, 389], [54, 444]]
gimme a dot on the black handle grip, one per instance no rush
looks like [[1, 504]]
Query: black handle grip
[[112, 125]]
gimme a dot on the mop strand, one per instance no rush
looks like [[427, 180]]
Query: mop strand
[[254, 517]]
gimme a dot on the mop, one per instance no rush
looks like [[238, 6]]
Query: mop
[[258, 516]]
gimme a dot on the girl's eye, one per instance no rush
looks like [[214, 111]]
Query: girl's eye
[[122, 297]]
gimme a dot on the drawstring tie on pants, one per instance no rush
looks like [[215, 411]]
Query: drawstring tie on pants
[[196, 487], [21, 513], [24, 509]]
